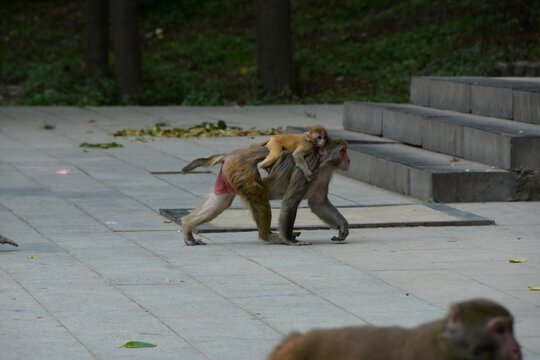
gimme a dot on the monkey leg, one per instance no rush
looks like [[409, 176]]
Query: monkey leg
[[275, 152], [213, 205]]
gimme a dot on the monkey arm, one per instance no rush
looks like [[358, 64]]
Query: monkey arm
[[330, 215], [299, 159], [289, 205]]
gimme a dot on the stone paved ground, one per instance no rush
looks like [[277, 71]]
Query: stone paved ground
[[97, 265]]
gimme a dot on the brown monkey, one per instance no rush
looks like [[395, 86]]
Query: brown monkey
[[302, 144], [473, 330], [5, 240], [239, 176]]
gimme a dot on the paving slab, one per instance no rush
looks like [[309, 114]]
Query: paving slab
[[98, 266], [403, 215]]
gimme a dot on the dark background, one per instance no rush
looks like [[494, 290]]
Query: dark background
[[205, 52]]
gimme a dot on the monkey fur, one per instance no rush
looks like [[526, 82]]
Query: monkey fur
[[477, 329], [239, 176], [302, 144]]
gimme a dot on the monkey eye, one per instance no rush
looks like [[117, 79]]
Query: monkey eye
[[500, 329]]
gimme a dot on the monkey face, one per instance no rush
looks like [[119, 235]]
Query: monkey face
[[320, 140]]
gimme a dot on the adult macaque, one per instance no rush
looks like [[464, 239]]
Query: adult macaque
[[5, 240], [239, 176], [302, 144], [473, 330]]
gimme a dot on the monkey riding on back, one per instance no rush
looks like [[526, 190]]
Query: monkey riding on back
[[239, 175]]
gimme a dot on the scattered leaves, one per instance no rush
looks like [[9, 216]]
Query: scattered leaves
[[205, 129], [310, 115], [101, 145], [138, 345], [517, 260]]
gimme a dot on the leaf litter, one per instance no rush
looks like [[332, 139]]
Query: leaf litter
[[205, 129]]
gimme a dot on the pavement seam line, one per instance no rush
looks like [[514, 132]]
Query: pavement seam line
[[250, 313], [297, 284], [50, 313], [111, 283]]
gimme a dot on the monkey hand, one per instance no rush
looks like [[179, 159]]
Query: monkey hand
[[343, 233], [191, 241], [309, 175], [262, 172]]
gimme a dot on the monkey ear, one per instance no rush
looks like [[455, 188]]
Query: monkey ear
[[454, 321], [453, 327], [307, 135]]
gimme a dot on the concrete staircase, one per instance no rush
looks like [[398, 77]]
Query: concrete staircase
[[463, 139]]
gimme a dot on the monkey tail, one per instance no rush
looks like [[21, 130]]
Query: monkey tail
[[5, 240], [206, 162], [285, 351], [265, 141]]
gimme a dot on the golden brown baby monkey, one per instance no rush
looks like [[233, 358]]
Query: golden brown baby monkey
[[302, 144]]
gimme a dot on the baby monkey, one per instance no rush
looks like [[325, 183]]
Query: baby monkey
[[302, 144]]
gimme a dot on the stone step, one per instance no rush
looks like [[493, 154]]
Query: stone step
[[422, 174], [508, 98], [506, 144], [427, 175]]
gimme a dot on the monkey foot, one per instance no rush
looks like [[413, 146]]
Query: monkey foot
[[296, 243], [337, 238], [193, 242]]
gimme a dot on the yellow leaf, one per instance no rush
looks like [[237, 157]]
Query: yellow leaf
[[534, 288], [30, 257], [517, 260]]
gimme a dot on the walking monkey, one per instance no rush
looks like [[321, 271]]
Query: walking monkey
[[239, 176], [302, 144]]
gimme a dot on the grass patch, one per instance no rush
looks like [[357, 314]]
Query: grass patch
[[203, 52]]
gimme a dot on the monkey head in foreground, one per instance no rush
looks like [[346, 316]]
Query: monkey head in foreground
[[477, 329]]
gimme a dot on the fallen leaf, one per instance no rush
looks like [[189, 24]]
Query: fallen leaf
[[534, 288], [454, 159], [101, 145], [517, 260], [30, 257], [138, 344]]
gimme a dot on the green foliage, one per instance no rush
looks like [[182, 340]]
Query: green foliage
[[203, 52]]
